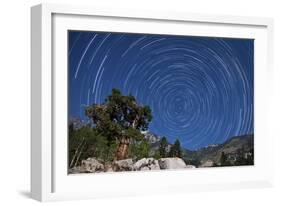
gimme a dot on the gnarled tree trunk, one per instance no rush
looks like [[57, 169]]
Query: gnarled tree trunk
[[122, 150]]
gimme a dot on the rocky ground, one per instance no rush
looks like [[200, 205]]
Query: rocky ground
[[92, 165]]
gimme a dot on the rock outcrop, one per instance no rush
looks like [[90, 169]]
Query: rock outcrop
[[91, 165], [171, 163], [147, 164], [208, 163], [123, 165]]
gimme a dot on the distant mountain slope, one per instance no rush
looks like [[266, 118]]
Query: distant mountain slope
[[234, 148]]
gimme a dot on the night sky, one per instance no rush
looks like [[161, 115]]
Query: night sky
[[200, 89]]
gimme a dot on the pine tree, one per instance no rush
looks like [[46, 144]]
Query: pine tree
[[86, 142], [120, 119], [175, 150], [163, 147]]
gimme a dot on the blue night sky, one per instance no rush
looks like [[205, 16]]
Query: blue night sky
[[200, 89]]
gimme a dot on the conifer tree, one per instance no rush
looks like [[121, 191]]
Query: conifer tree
[[175, 150], [163, 147], [120, 119]]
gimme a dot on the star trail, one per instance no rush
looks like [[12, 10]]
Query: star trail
[[200, 89]]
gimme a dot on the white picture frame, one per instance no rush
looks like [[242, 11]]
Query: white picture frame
[[49, 178]]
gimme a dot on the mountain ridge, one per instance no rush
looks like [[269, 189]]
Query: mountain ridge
[[234, 148]]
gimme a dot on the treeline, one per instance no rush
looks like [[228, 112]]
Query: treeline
[[166, 150], [87, 142]]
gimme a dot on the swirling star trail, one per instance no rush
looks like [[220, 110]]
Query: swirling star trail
[[200, 89]]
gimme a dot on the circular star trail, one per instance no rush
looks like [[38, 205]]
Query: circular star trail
[[200, 89]]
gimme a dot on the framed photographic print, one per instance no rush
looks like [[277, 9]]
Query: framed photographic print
[[134, 102]]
